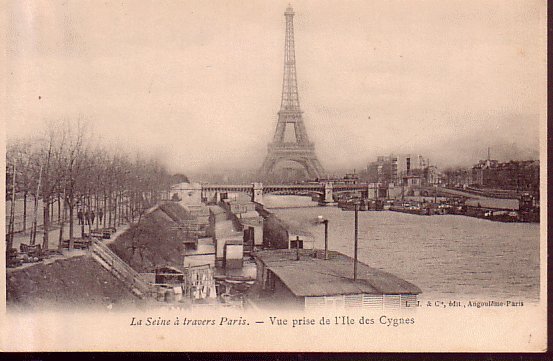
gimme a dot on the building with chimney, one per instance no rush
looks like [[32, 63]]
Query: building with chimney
[[396, 168]]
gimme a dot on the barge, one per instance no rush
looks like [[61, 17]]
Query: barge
[[304, 279]]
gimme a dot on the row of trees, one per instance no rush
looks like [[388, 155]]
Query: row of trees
[[66, 169]]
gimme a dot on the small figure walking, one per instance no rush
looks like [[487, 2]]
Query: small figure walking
[[92, 216], [80, 216], [100, 216], [87, 217]]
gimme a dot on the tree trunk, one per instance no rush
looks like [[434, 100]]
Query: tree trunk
[[96, 210], [133, 206], [33, 227], [51, 208], [115, 212], [9, 240], [25, 211], [83, 209], [104, 211], [119, 208], [59, 209], [71, 207], [45, 222], [89, 220], [109, 209], [62, 225], [126, 208]]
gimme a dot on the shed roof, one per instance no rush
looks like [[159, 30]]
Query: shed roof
[[168, 269], [186, 186], [225, 229], [216, 209], [249, 214], [311, 276]]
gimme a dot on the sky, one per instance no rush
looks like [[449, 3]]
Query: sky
[[198, 83]]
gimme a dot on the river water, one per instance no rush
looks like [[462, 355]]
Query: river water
[[449, 257]]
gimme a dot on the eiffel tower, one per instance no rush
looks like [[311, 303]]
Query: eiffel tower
[[290, 143]]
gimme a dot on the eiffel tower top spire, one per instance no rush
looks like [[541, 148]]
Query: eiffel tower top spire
[[290, 99]]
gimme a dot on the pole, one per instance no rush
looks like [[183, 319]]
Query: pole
[[297, 248], [356, 242], [326, 238]]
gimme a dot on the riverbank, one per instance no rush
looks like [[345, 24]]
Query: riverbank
[[76, 282], [71, 279]]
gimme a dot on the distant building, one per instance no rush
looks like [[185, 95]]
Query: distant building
[[482, 171], [223, 229], [512, 175], [458, 177], [433, 175], [409, 164], [395, 169], [413, 180], [187, 193], [350, 178], [246, 218], [384, 170]]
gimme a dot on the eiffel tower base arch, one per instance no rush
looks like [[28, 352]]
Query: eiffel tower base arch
[[306, 159]]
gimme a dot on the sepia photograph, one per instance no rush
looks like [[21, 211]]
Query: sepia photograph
[[371, 174]]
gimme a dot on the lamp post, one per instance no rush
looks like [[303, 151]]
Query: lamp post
[[325, 222]]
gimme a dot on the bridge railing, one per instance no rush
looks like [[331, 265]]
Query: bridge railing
[[281, 186]]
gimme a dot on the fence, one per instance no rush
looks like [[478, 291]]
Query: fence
[[120, 269]]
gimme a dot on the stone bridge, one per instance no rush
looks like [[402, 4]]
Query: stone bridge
[[325, 190]]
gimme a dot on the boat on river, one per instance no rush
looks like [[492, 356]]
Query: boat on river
[[348, 204], [411, 209]]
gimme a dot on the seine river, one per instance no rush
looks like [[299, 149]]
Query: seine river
[[449, 257]]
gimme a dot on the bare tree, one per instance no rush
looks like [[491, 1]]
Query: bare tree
[[20, 152], [73, 163], [63, 167], [51, 154]]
